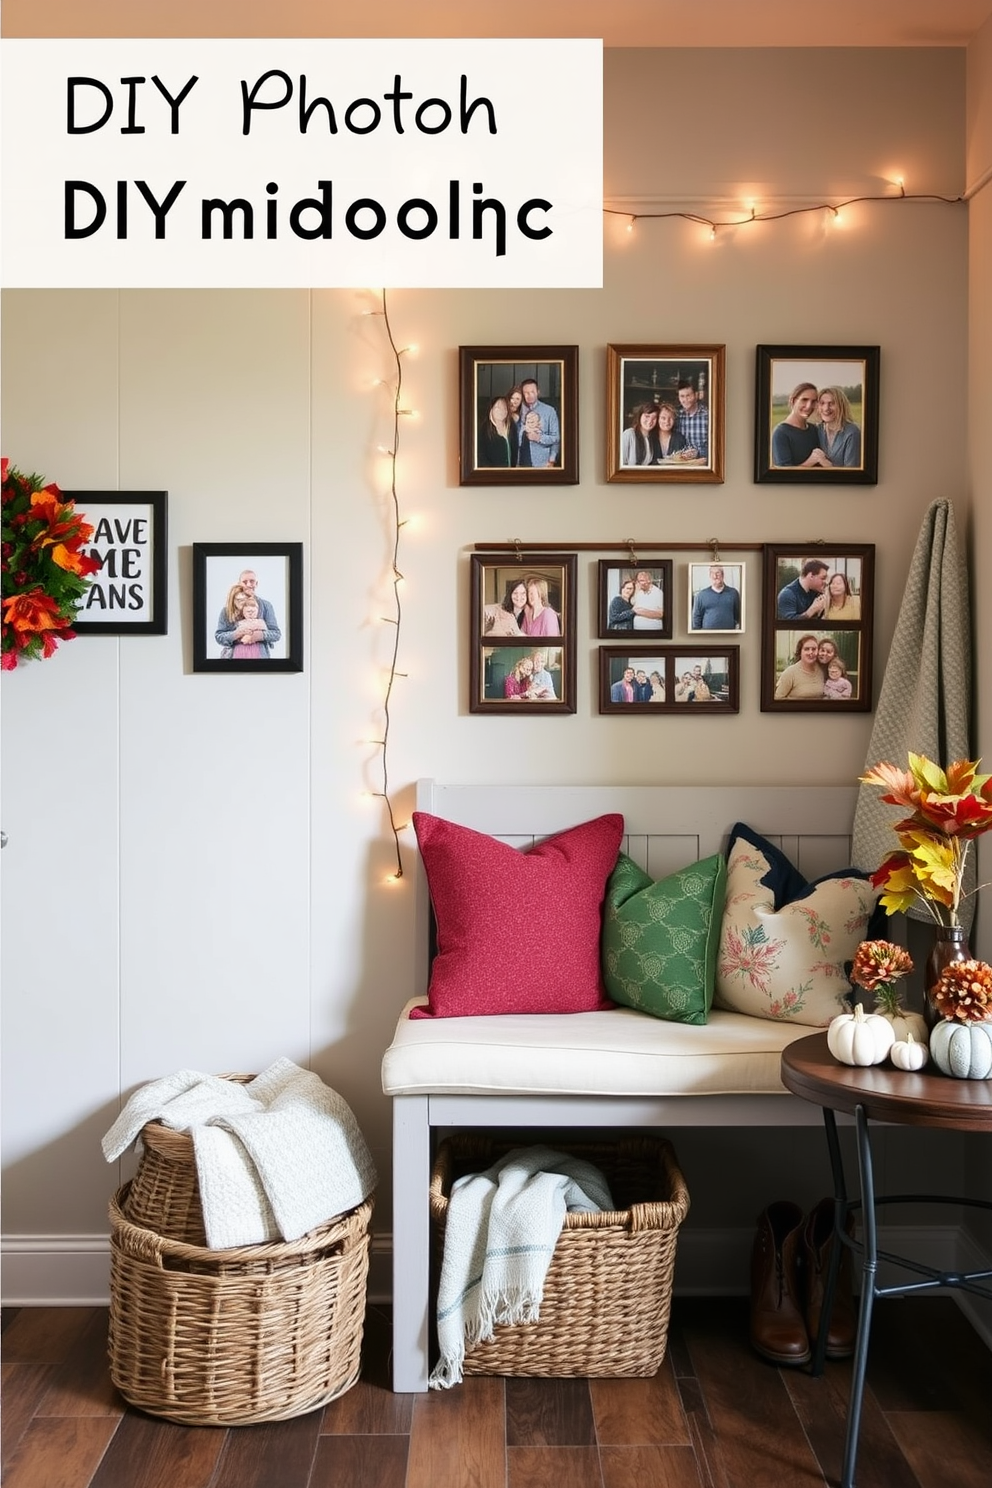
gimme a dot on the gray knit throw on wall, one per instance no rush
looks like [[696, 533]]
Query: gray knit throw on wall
[[925, 699]]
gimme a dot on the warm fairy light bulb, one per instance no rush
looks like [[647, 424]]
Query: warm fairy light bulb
[[713, 233], [630, 224]]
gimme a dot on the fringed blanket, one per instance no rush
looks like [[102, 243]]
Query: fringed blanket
[[500, 1233]]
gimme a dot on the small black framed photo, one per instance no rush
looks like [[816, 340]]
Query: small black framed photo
[[518, 415], [248, 607], [663, 679], [816, 415], [716, 597], [128, 595], [665, 413], [636, 598], [817, 627], [522, 644]]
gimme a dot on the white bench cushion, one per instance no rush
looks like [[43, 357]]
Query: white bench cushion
[[615, 1053]]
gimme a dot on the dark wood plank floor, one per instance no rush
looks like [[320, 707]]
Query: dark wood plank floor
[[714, 1416]]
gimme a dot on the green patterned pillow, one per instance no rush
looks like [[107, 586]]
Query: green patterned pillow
[[660, 939]]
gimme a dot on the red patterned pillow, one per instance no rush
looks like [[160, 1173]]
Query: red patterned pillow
[[517, 932]]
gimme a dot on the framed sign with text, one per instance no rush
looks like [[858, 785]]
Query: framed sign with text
[[129, 592]]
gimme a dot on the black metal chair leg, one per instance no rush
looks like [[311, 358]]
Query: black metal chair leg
[[868, 1280]]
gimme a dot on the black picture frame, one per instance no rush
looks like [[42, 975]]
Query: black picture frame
[[645, 378], [799, 581], [850, 374], [489, 457], [218, 569], [718, 667], [613, 577], [501, 641], [129, 593]]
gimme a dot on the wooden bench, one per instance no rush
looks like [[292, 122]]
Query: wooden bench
[[619, 1068]]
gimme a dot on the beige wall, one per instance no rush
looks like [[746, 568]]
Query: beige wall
[[192, 877]]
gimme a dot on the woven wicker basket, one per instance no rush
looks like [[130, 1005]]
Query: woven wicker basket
[[608, 1291], [164, 1194], [228, 1337]]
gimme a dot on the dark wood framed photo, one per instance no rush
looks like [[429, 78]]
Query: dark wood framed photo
[[636, 598], [523, 633], [128, 595], [816, 415], [817, 627], [716, 597], [665, 413], [519, 410], [669, 679], [248, 607]]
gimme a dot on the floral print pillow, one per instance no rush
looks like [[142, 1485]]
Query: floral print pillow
[[784, 942]]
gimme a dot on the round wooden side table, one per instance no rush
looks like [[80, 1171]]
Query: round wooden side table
[[880, 1093]]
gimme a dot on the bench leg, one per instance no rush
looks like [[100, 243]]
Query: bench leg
[[411, 1241]]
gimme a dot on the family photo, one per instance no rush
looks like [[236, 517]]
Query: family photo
[[638, 679], [826, 589], [817, 666], [665, 413], [523, 632], [635, 597], [521, 600], [817, 623], [702, 679], [665, 679], [518, 415], [515, 675], [817, 413], [247, 607]]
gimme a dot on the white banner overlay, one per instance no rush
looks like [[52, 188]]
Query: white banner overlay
[[209, 163]]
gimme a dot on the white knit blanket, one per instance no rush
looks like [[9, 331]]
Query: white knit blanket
[[500, 1233], [275, 1158]]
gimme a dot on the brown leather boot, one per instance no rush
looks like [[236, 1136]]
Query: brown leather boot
[[818, 1238], [778, 1332]]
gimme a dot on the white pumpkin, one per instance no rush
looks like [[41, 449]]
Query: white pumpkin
[[963, 1050], [860, 1038], [909, 1053], [906, 1023]]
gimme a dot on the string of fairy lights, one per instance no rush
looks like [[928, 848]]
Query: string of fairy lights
[[397, 523], [832, 209], [714, 225]]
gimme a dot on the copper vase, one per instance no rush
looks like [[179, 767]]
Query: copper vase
[[949, 944]]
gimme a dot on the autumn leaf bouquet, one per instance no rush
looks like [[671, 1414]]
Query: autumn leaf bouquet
[[44, 568], [946, 809]]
